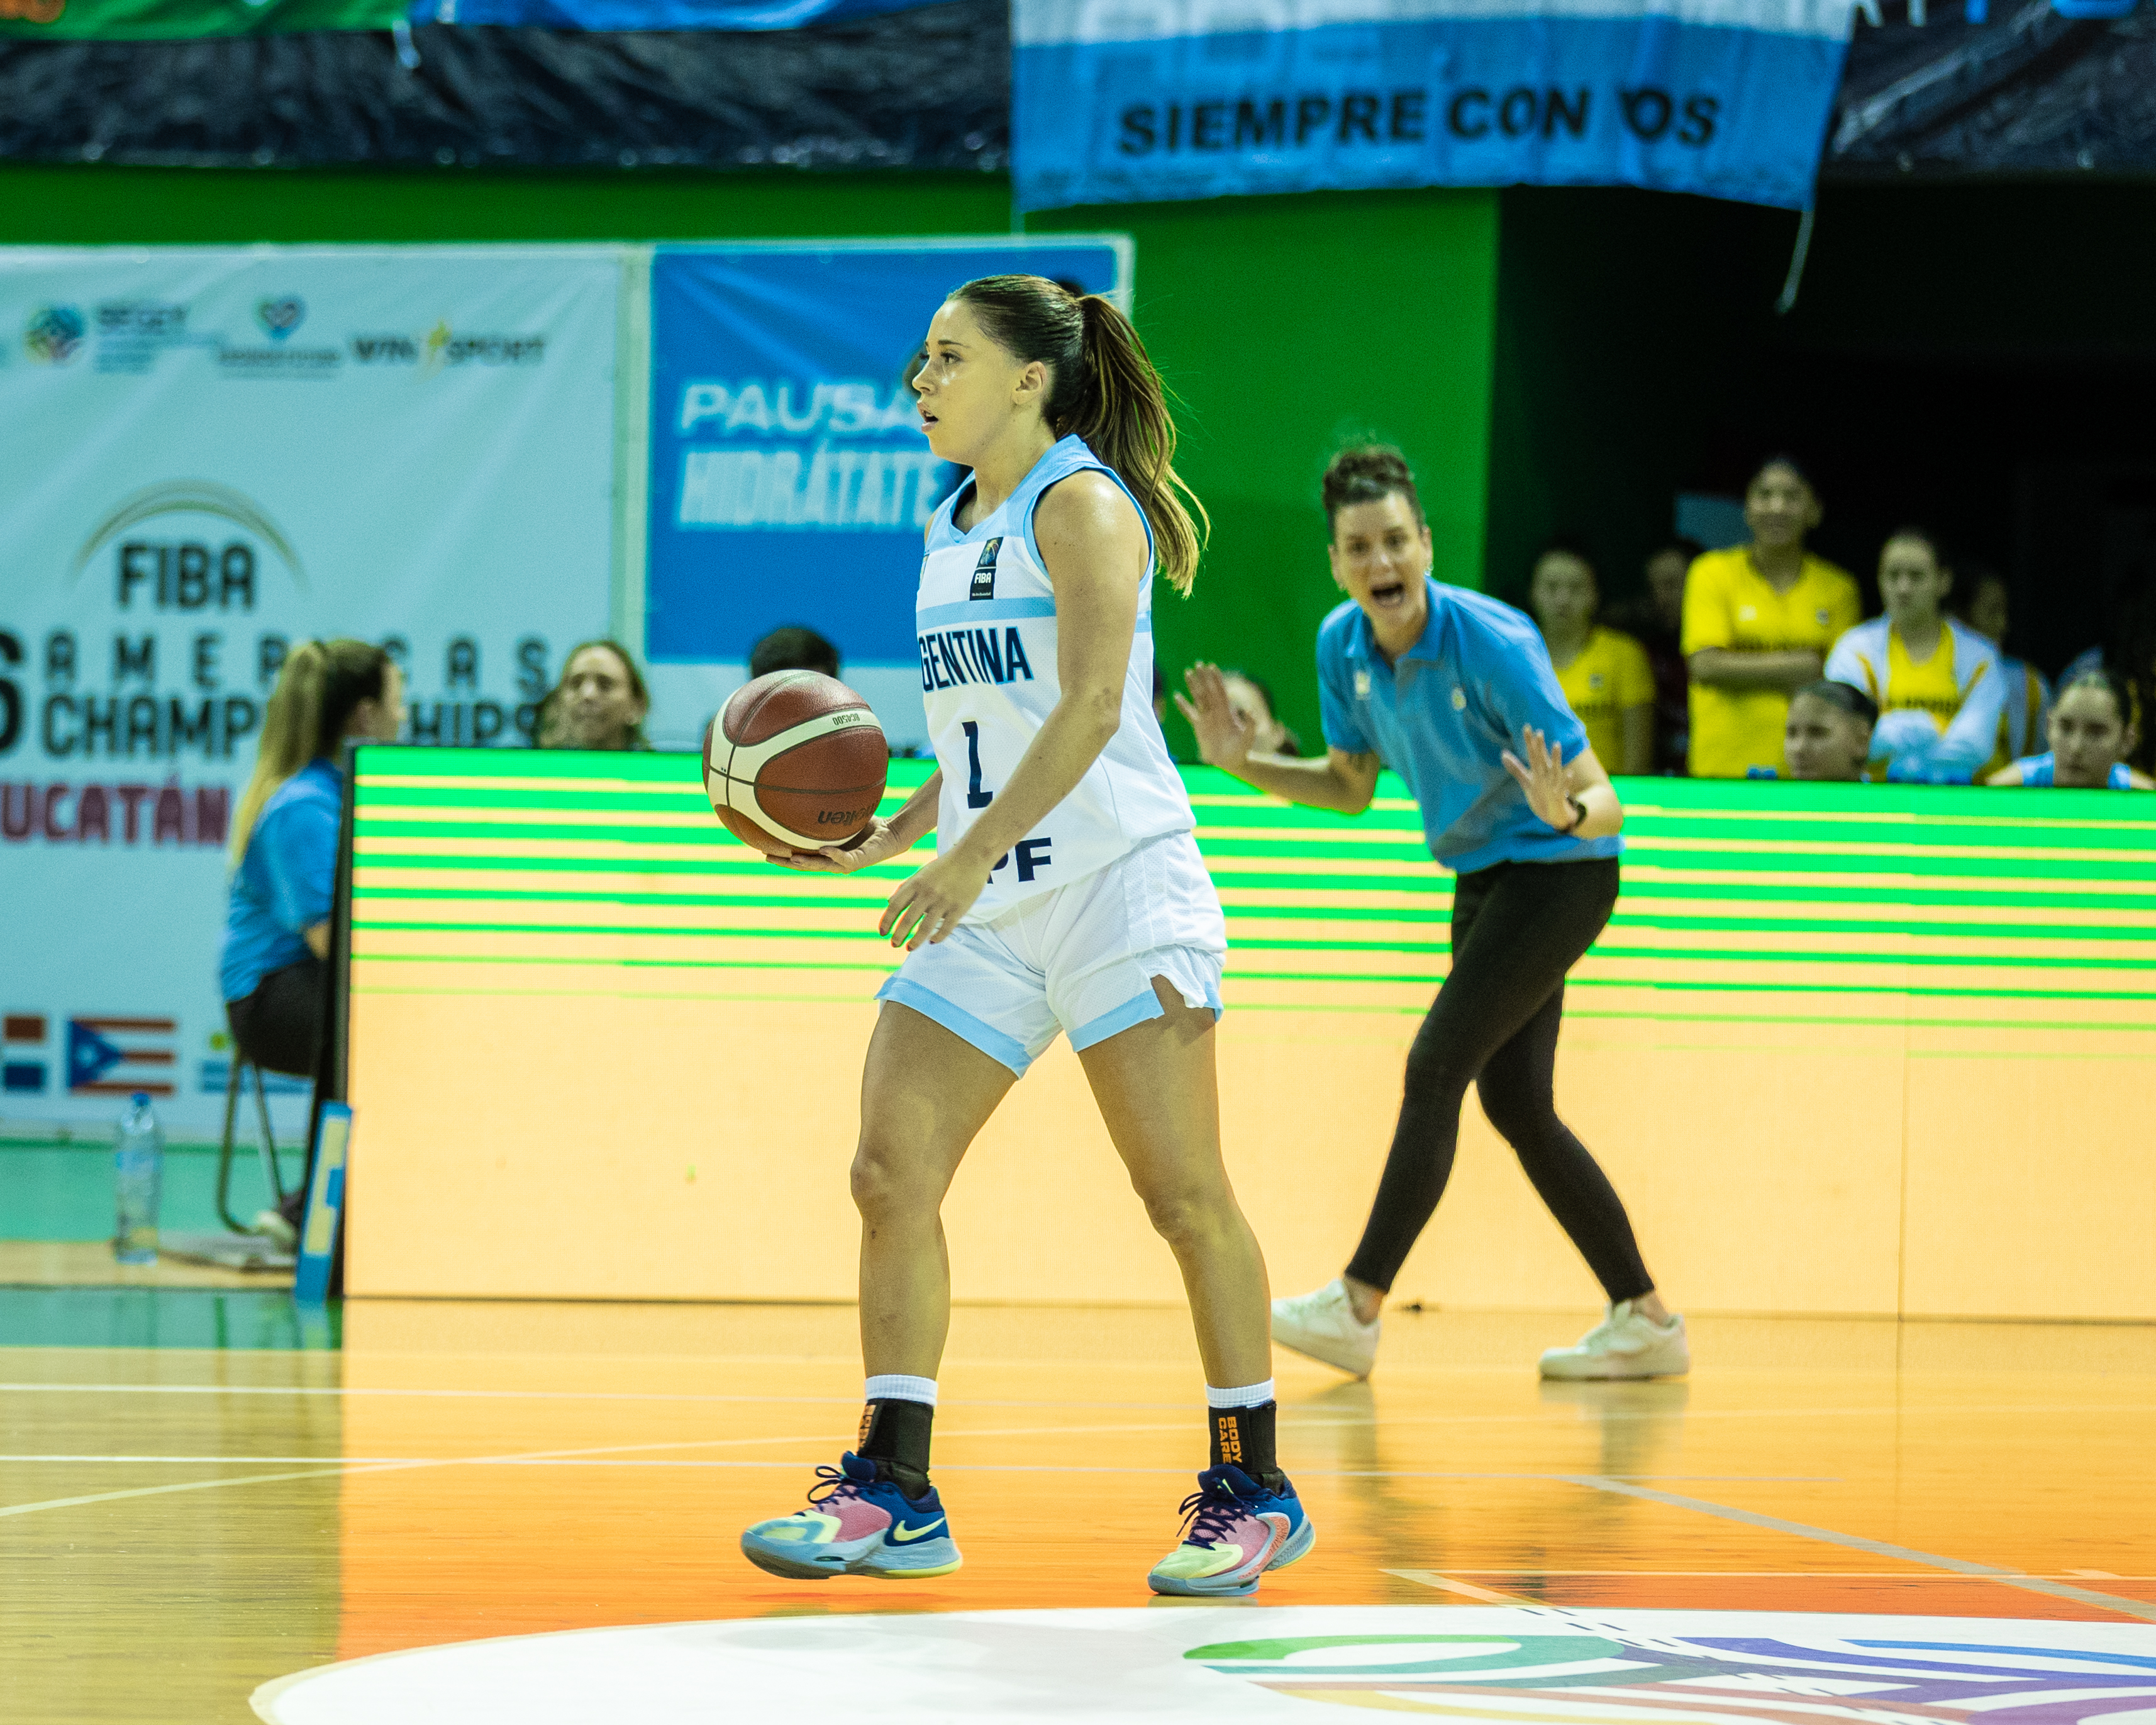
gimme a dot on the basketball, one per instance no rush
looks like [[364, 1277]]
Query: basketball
[[795, 761]]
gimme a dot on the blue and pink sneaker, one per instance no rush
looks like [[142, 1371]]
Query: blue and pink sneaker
[[858, 1522], [1236, 1530]]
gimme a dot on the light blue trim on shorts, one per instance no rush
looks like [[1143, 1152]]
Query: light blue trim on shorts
[[1008, 1050], [1136, 1010]]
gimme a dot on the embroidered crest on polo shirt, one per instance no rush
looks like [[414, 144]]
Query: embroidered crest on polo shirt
[[1746, 613], [1361, 685], [1821, 616], [1459, 699]]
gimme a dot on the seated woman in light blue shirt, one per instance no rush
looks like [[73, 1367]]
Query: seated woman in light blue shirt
[[1455, 693], [2093, 732], [285, 845]]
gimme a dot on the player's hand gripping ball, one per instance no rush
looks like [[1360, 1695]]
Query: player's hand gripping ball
[[796, 761]]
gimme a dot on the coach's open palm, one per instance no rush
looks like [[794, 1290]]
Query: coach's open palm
[[1543, 777], [1223, 736]]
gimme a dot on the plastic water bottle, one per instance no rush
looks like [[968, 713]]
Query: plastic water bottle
[[138, 1169]]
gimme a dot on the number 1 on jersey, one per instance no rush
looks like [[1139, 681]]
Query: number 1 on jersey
[[976, 798]]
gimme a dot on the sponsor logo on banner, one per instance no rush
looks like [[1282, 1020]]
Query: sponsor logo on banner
[[443, 348], [216, 1075], [54, 334], [118, 1055], [132, 333], [280, 317]]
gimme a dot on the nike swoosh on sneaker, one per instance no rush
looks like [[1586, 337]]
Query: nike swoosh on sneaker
[[906, 1535]]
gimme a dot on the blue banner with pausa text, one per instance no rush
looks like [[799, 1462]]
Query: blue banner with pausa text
[[789, 477]]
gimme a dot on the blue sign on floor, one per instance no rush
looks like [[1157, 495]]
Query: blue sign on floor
[[789, 479], [324, 1217]]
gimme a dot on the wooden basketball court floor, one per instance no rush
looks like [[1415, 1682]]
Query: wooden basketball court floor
[[181, 1526]]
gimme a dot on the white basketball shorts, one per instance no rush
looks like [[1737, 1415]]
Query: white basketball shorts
[[1079, 959]]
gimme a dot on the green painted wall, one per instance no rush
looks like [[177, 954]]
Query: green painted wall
[[1287, 325]]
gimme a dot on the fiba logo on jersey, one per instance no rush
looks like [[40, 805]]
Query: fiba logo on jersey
[[984, 571]]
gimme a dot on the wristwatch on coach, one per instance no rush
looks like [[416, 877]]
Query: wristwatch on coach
[[1578, 815]]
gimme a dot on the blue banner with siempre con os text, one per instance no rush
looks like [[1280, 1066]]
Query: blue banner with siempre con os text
[[790, 480], [654, 14], [1113, 103]]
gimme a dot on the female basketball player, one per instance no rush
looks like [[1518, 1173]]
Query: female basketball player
[[1455, 693], [1067, 894]]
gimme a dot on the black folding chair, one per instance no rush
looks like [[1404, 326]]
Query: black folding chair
[[272, 1176]]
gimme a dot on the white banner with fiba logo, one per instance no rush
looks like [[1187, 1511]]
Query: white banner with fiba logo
[[211, 454]]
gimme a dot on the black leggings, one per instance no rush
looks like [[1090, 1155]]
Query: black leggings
[[1516, 929], [279, 1026]]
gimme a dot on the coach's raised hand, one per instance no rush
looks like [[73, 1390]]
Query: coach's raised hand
[[1223, 735]]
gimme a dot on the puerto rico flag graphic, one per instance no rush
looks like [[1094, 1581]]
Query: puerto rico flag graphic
[[117, 1056]]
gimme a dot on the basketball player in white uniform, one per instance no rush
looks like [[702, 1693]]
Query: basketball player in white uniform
[[1067, 895]]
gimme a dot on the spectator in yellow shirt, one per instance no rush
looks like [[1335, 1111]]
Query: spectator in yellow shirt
[[1758, 619], [1604, 673]]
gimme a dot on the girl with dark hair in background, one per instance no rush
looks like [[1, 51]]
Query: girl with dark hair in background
[[1759, 619], [1067, 894], [1455, 692], [2093, 736], [1656, 619], [600, 702], [1980, 599], [1604, 673], [1936, 680], [1829, 734]]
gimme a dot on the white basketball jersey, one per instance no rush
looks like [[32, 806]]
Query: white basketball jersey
[[986, 619]]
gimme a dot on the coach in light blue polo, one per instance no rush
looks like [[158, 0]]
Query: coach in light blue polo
[[1443, 716], [1455, 693]]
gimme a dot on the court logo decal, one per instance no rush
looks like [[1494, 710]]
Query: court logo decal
[[1505, 1665], [1884, 1676]]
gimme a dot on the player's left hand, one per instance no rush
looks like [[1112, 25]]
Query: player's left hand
[[928, 906], [879, 842], [1542, 775]]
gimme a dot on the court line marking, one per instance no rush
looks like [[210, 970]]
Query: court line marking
[[1876, 1547], [319, 1473], [1543, 1414], [581, 1459], [1465, 1589]]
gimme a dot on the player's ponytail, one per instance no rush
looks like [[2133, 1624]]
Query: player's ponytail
[[1104, 389], [321, 684]]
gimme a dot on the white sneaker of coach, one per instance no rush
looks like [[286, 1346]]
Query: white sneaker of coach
[[1627, 1343], [1323, 1325]]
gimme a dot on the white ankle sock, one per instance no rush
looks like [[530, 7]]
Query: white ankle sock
[[896, 1387], [1250, 1395]]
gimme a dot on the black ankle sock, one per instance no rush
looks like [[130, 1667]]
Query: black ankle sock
[[896, 1434], [1243, 1438]]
